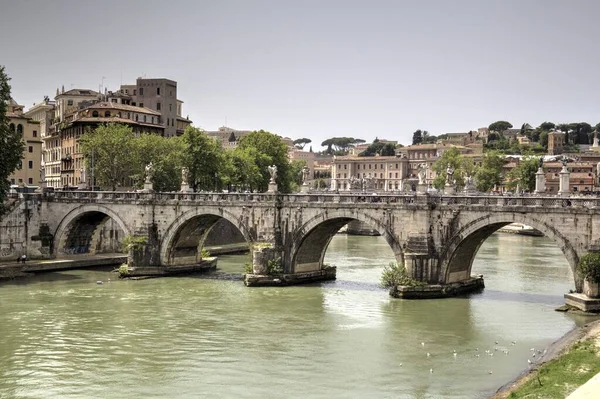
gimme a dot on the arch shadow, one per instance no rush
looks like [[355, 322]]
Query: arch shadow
[[310, 241], [184, 238], [79, 230], [457, 259]]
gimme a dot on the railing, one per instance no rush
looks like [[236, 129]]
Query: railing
[[333, 198]]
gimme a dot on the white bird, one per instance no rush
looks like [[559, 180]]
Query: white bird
[[529, 361], [495, 349], [532, 349], [490, 372], [455, 354], [491, 354], [422, 343], [477, 355], [428, 354], [533, 355], [431, 371], [476, 349], [400, 364], [496, 342], [99, 282], [514, 343]]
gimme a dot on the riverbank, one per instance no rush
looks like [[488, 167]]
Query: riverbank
[[563, 355]]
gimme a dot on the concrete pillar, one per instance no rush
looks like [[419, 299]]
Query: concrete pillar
[[272, 188], [148, 187], [185, 188], [421, 188], [540, 181], [564, 181], [449, 189]]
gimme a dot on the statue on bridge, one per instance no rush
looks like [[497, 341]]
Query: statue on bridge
[[184, 175], [273, 172], [305, 175], [541, 162], [149, 171], [422, 174], [449, 174]]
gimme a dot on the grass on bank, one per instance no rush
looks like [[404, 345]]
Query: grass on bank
[[560, 377]]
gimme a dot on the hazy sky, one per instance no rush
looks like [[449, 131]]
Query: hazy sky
[[323, 68]]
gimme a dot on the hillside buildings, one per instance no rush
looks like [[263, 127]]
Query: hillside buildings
[[50, 163]]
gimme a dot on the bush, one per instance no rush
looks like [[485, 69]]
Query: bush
[[204, 253], [589, 267], [133, 242], [394, 275], [123, 270], [248, 269], [274, 266]]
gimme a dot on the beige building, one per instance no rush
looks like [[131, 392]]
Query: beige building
[[77, 123], [44, 114], [556, 142], [28, 172], [229, 138], [159, 95]]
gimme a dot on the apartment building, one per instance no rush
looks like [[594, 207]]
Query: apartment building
[[28, 173]]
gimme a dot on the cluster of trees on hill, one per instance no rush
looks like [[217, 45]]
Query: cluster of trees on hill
[[118, 155]]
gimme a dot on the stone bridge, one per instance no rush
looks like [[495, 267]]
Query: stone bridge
[[437, 237]]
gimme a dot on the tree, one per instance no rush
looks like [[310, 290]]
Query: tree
[[204, 159], [526, 129], [580, 132], [500, 127], [523, 174], [296, 170], [544, 139], [597, 128], [242, 170], [546, 126], [379, 148], [417, 137], [273, 152], [112, 146], [340, 145], [11, 142], [301, 143], [461, 166], [490, 172], [166, 156]]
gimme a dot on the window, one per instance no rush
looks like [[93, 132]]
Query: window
[[136, 117], [35, 133], [70, 103], [144, 118], [12, 127], [30, 180], [375, 166], [141, 105], [95, 114], [396, 175], [381, 166], [390, 175], [107, 114], [141, 91], [20, 129], [170, 93], [170, 107], [20, 180], [381, 175], [158, 91], [134, 93], [129, 115], [12, 181], [344, 175], [369, 166], [158, 106], [345, 166], [20, 167], [30, 164], [30, 148]]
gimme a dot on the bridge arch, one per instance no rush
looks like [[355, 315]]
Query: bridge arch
[[81, 226], [187, 233], [311, 240], [457, 259]]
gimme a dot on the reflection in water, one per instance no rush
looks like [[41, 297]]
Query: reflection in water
[[64, 336]]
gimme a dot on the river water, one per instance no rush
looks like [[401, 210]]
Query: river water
[[64, 336]]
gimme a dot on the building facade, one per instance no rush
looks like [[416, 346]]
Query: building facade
[[50, 164], [159, 95], [28, 173], [69, 131]]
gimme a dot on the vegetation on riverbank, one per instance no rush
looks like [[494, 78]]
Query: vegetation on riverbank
[[395, 274], [561, 376]]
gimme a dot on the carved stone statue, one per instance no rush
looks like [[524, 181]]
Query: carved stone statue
[[449, 174], [541, 162], [564, 162], [422, 173], [82, 178], [273, 172], [149, 170], [184, 175], [305, 174], [43, 174]]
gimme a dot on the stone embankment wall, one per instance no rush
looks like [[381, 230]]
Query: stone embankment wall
[[22, 231]]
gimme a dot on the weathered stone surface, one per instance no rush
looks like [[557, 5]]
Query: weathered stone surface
[[439, 290], [583, 302], [254, 280], [437, 237]]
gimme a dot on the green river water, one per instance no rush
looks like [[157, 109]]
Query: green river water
[[64, 336]]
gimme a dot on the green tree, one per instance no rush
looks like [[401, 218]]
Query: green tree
[[166, 156], [242, 170], [301, 143], [296, 167], [500, 127], [546, 126], [544, 139], [417, 137], [204, 158], [111, 146], [523, 174], [580, 132], [526, 130], [273, 152], [565, 128], [379, 148], [11, 142], [454, 159], [340, 145], [490, 172]]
